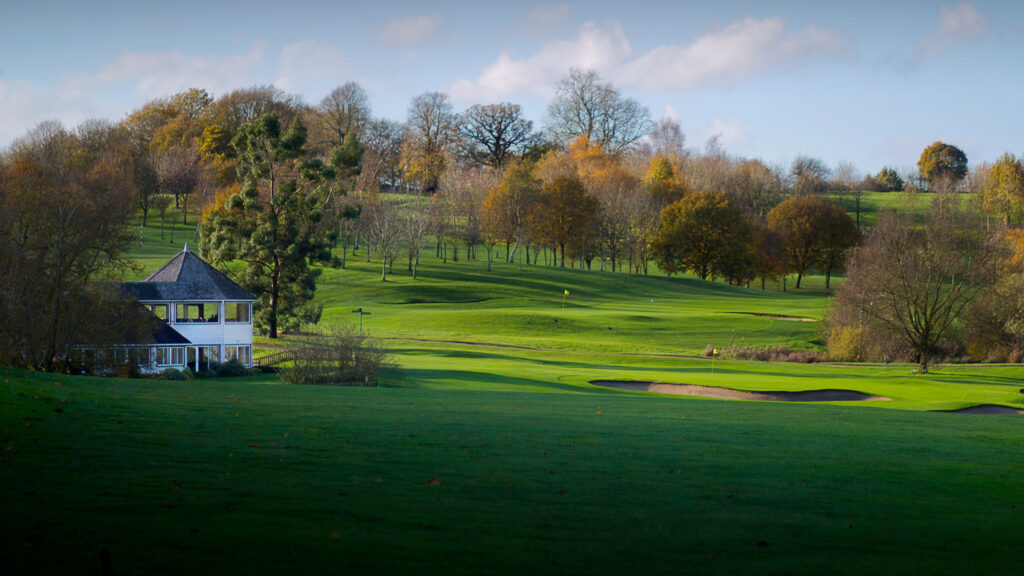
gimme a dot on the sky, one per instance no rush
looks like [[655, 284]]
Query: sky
[[870, 83]]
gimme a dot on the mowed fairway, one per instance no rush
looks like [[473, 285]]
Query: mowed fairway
[[256, 477], [486, 450]]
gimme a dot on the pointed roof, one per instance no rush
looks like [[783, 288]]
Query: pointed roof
[[187, 277]]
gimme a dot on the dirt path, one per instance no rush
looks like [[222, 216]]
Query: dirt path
[[830, 395]]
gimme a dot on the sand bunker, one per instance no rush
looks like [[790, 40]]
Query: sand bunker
[[777, 317], [985, 409], [731, 394]]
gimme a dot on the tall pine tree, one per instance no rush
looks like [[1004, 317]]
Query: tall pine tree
[[273, 223]]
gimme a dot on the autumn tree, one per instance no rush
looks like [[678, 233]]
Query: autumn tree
[[994, 321], [704, 233], [505, 213], [272, 224], [840, 234], [755, 186], [1003, 189], [661, 182], [494, 134], [805, 224], [66, 200], [942, 165], [585, 105], [607, 180], [569, 215], [890, 180], [432, 132], [913, 279]]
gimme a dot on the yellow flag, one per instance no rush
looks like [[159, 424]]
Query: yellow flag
[[566, 292], [714, 351]]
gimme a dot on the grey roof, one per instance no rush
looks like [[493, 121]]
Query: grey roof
[[187, 277]]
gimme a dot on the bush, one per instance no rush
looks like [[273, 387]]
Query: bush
[[231, 369], [766, 354], [339, 355], [172, 374]]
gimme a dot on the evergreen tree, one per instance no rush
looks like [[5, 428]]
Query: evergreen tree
[[272, 223]]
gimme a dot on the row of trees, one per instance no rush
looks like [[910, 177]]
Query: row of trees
[[65, 199], [284, 185]]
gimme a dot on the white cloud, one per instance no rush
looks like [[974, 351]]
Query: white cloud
[[956, 24], [128, 80], [541, 20], [410, 31], [155, 74], [602, 47], [719, 58], [309, 67], [726, 57], [732, 133]]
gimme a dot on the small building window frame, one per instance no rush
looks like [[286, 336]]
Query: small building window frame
[[197, 313], [238, 312]]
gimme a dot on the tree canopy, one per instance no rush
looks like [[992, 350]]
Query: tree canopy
[[272, 223], [707, 234], [942, 165]]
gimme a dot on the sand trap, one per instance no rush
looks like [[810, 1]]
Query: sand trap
[[777, 317], [985, 409], [731, 394]]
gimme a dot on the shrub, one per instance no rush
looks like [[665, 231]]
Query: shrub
[[231, 369], [776, 353], [172, 374], [339, 355]]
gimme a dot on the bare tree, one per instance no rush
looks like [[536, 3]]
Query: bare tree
[[345, 109], [179, 173], [495, 133], [432, 132], [667, 138], [911, 281], [808, 175], [415, 224], [586, 106], [381, 163], [384, 228]]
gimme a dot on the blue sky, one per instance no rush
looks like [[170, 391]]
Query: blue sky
[[871, 82]]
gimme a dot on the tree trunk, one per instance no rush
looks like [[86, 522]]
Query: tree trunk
[[273, 298], [383, 269], [799, 277], [562, 247]]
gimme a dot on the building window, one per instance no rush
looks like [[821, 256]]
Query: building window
[[191, 312], [158, 310], [239, 312], [140, 356], [242, 353], [170, 356], [210, 354]]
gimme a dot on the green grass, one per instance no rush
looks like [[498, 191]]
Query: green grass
[[251, 476], [477, 457]]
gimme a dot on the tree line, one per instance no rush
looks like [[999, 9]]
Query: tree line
[[281, 185]]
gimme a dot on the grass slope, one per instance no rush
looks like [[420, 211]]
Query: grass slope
[[255, 477]]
